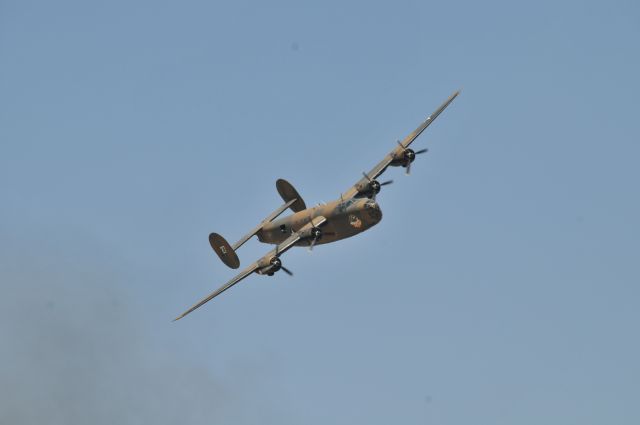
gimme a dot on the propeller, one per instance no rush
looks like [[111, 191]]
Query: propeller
[[316, 233], [375, 185], [276, 264], [410, 156]]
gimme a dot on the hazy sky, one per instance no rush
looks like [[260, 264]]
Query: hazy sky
[[501, 287]]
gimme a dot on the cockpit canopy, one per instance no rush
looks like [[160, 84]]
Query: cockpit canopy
[[371, 204]]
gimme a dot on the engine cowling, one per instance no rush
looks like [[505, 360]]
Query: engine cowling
[[370, 188], [276, 264], [404, 158], [316, 233]]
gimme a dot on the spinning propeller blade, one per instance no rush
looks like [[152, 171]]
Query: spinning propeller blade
[[415, 153], [317, 234]]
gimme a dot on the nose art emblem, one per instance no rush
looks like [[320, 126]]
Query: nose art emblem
[[355, 221]]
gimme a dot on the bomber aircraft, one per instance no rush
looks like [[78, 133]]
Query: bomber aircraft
[[354, 212]]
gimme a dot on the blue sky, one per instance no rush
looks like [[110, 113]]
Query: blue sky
[[500, 287]]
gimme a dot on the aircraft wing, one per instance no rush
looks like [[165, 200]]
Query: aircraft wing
[[244, 273], [263, 264], [397, 151]]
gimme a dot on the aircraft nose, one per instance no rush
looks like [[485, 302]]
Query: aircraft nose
[[373, 211]]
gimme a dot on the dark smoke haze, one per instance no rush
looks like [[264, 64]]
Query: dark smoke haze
[[74, 352]]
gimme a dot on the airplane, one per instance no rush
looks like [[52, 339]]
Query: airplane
[[354, 212]]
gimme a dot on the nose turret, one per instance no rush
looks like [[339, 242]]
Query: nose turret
[[372, 212]]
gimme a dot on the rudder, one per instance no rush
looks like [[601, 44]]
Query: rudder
[[224, 250]]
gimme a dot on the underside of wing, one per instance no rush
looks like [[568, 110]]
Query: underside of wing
[[418, 131], [399, 156], [268, 264], [246, 272]]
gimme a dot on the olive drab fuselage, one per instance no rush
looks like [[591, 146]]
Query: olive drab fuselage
[[345, 218]]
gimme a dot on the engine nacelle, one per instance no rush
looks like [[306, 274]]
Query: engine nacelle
[[275, 265], [270, 267], [370, 188], [403, 158]]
